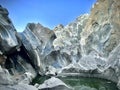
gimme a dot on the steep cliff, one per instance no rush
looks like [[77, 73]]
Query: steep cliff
[[101, 32], [92, 41], [38, 42], [88, 46], [15, 67]]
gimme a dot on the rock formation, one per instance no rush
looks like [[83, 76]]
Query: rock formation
[[54, 84], [38, 40], [91, 41], [101, 33], [9, 40], [89, 46], [15, 67]]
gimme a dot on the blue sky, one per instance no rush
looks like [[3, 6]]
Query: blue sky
[[47, 12]]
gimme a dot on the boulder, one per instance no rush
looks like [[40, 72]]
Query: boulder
[[14, 61], [37, 40], [88, 46], [54, 84], [9, 39], [5, 77]]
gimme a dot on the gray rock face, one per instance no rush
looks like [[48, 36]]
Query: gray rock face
[[89, 46], [102, 29], [15, 66], [38, 42], [68, 38], [8, 36], [92, 42], [19, 67], [5, 77]]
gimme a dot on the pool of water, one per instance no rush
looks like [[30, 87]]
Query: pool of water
[[82, 83]]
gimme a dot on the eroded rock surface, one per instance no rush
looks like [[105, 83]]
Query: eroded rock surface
[[15, 66], [38, 42], [54, 84], [101, 32], [96, 49], [89, 46], [8, 36]]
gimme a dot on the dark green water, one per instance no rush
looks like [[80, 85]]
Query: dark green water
[[81, 83]]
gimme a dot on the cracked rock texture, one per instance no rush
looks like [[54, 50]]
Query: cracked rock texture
[[92, 42], [37, 41], [101, 32], [15, 67], [88, 46], [8, 36]]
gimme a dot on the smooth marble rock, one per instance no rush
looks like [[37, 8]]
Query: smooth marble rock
[[37, 40], [5, 77], [14, 61], [54, 84], [89, 46], [9, 39]]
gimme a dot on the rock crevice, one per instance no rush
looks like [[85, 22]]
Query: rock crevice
[[88, 46]]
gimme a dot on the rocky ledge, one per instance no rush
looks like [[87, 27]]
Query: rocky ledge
[[89, 46]]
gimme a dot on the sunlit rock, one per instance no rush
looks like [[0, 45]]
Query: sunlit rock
[[89, 46], [68, 37], [15, 66], [37, 40], [9, 40], [54, 84], [101, 32]]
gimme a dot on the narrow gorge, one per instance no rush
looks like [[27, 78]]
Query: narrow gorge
[[87, 47]]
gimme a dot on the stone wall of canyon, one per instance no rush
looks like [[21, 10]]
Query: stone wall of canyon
[[88, 46]]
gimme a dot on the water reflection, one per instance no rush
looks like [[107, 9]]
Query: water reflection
[[81, 83], [84, 88]]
